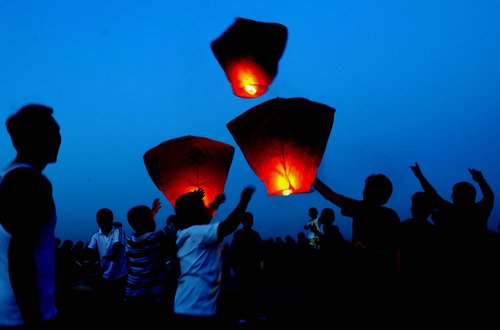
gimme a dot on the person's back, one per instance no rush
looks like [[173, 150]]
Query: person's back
[[199, 251], [147, 252], [418, 239], [375, 243], [28, 220]]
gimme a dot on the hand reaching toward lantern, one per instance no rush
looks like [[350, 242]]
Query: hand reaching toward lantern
[[218, 200]]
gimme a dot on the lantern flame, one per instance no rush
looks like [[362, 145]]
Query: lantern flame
[[283, 141], [247, 78]]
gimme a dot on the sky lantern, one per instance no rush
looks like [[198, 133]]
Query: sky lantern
[[248, 52], [183, 164], [283, 141]]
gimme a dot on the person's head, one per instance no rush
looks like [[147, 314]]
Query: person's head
[[141, 220], [327, 216], [378, 189], [463, 194], [191, 210], [313, 212], [421, 205], [35, 134], [247, 220], [104, 218]]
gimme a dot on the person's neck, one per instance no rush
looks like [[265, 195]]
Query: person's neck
[[35, 163]]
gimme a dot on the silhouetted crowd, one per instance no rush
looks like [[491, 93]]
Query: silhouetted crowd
[[288, 281]]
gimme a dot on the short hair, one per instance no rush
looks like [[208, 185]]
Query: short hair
[[378, 189], [463, 193], [327, 216], [190, 209], [137, 217], [28, 123], [247, 219], [104, 216]]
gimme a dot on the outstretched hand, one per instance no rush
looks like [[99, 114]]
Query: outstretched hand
[[156, 206], [476, 175], [416, 170], [218, 200], [247, 193]]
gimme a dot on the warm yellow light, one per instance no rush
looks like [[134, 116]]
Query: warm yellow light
[[248, 79], [287, 192], [250, 89]]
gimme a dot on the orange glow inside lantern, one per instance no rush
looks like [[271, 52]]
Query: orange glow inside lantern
[[184, 164], [283, 141], [248, 79], [249, 52]]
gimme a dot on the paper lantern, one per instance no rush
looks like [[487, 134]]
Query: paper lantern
[[249, 52], [183, 164], [283, 141]]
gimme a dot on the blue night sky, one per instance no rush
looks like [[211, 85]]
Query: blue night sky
[[410, 81]]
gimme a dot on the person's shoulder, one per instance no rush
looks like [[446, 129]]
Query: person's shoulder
[[20, 176]]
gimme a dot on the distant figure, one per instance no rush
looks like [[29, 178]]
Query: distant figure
[[462, 221], [313, 228], [375, 245], [147, 253], [109, 243], [419, 263], [418, 240], [462, 233], [28, 221], [246, 256], [331, 240], [199, 249]]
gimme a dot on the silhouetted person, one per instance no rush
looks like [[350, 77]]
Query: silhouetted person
[[199, 250], [463, 221], [109, 243], [65, 278], [147, 252], [28, 221], [462, 230], [418, 240], [246, 255], [313, 228], [375, 242], [418, 263], [331, 275]]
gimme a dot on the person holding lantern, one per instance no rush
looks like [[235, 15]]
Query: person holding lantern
[[375, 244], [199, 251]]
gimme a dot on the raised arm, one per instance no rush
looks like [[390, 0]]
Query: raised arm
[[155, 207], [486, 191], [327, 192], [231, 223], [428, 188]]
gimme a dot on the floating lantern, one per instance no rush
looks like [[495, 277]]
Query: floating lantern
[[283, 141], [183, 164], [249, 52]]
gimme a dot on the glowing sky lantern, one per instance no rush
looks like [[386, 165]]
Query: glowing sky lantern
[[249, 52], [183, 164], [283, 141]]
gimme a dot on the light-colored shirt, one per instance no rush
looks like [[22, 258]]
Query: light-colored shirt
[[200, 254], [111, 270]]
